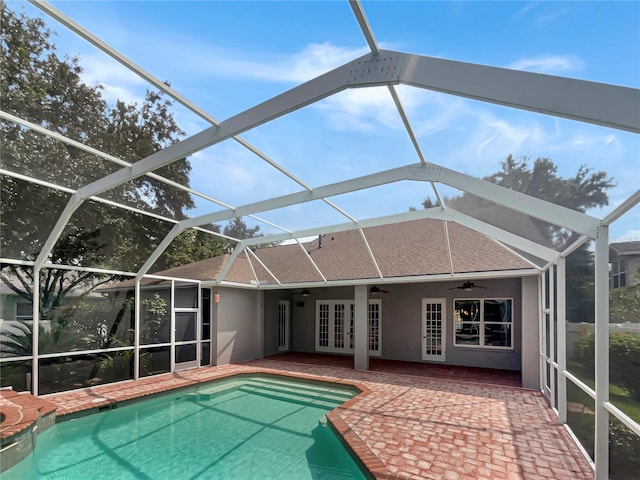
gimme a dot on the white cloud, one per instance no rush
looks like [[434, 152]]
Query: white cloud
[[362, 109], [119, 83], [313, 60], [507, 136], [549, 64], [628, 236], [526, 9], [546, 19], [367, 109]]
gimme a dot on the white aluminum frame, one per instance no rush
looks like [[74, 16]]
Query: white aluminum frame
[[605, 105]]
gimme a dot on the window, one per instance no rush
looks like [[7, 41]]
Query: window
[[24, 311], [483, 323], [619, 274]]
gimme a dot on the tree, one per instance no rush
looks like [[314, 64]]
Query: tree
[[237, 228], [39, 86], [540, 179]]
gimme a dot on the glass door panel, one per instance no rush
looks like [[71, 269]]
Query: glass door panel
[[433, 329]]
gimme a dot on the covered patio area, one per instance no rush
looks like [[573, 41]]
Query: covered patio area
[[487, 376]]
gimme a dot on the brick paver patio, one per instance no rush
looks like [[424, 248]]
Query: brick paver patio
[[408, 426]]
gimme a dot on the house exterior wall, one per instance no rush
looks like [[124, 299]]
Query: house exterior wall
[[237, 325], [632, 266], [401, 320]]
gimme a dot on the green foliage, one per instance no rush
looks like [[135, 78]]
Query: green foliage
[[190, 246], [624, 445], [624, 360], [624, 305], [156, 317], [44, 88], [18, 342], [40, 86], [624, 452], [580, 286], [624, 302], [539, 178]]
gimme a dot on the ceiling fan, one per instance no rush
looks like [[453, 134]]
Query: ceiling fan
[[305, 292], [467, 286], [375, 290]]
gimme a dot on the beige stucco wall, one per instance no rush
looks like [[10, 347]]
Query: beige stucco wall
[[238, 324]]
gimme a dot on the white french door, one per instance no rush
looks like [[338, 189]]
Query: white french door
[[434, 322], [335, 326]]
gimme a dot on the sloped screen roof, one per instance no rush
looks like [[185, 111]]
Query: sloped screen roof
[[334, 122]]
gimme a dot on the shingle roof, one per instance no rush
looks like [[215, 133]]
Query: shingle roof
[[413, 248], [626, 248]]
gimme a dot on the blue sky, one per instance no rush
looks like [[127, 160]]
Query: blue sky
[[228, 56]]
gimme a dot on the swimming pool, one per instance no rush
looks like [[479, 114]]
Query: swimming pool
[[247, 427]]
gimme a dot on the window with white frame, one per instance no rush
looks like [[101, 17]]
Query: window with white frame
[[618, 274], [24, 311], [483, 323]]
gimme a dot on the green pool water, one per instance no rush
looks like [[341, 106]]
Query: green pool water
[[259, 427]]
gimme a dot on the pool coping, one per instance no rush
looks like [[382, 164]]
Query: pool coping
[[25, 421]]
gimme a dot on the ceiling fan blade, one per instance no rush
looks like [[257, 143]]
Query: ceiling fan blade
[[305, 292], [467, 286], [375, 290]]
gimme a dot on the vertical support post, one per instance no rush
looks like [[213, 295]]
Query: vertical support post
[[543, 336], [541, 328], [215, 305], [35, 337], [552, 337], [361, 330], [199, 328], [601, 456], [530, 332], [136, 328], [561, 338], [172, 354], [260, 320]]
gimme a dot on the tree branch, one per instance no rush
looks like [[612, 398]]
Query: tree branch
[[11, 286]]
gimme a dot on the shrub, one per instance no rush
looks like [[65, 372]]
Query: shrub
[[624, 453], [624, 360]]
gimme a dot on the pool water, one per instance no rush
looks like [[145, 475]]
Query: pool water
[[258, 427]]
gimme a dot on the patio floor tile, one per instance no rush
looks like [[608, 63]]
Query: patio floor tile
[[407, 424]]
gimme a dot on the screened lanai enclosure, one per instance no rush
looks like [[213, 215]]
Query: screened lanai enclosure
[[142, 235]]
